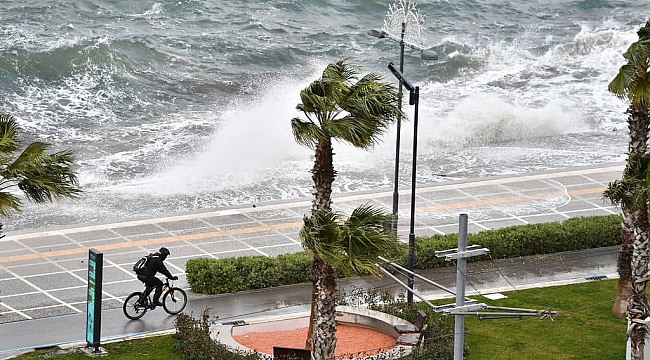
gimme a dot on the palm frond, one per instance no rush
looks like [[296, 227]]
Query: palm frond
[[42, 176], [359, 132], [636, 52], [632, 81], [306, 133], [620, 85], [630, 192], [352, 245], [9, 203], [381, 98], [366, 238], [341, 72], [320, 235], [640, 92], [8, 140], [313, 98], [368, 107]]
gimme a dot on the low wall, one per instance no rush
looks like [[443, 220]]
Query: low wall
[[352, 315]]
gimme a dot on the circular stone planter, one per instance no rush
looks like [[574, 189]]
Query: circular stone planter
[[348, 315]]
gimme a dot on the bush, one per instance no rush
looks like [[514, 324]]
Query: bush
[[216, 276], [294, 268], [439, 336], [195, 343], [526, 240]]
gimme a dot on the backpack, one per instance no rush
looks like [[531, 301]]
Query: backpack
[[141, 264]]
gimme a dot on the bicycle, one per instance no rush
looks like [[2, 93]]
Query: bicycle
[[136, 305]]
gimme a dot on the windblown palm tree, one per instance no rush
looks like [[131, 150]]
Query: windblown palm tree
[[40, 176], [340, 108], [632, 83], [632, 192], [350, 246]]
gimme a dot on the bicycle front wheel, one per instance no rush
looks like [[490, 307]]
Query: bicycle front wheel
[[132, 307], [174, 301]]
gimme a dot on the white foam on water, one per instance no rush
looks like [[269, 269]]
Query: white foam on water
[[254, 146], [253, 142], [488, 119], [529, 104], [519, 95]]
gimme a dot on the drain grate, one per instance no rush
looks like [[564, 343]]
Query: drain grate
[[596, 277], [235, 323]]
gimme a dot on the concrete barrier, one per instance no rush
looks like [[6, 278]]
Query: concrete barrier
[[352, 315]]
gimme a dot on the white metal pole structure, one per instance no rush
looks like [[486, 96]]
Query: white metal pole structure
[[402, 18], [464, 305], [461, 254]]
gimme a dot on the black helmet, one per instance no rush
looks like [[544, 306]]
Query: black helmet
[[164, 251]]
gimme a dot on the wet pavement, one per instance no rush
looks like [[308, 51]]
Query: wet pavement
[[43, 273]]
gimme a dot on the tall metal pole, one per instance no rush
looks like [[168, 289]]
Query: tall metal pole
[[414, 100], [461, 266], [397, 142]]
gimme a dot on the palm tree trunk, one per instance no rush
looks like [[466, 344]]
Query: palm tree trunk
[[316, 274], [637, 307], [325, 331], [624, 265], [637, 124], [323, 175]]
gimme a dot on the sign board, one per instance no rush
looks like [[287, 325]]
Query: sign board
[[94, 299], [287, 353]]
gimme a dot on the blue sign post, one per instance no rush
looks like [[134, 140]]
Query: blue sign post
[[94, 302]]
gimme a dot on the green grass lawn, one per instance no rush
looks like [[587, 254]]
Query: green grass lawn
[[152, 348], [584, 329]]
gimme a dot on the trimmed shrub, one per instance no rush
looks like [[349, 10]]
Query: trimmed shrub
[[294, 268], [219, 276], [216, 276]]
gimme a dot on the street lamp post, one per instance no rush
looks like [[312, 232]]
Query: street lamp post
[[414, 99], [424, 55]]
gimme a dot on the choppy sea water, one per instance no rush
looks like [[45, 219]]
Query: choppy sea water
[[184, 105]]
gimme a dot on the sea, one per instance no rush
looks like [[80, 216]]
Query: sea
[[185, 105]]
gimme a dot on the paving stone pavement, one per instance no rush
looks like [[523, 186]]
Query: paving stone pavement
[[43, 272]]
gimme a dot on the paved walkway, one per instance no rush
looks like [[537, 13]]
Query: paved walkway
[[43, 273]]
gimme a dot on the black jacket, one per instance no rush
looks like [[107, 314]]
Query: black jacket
[[156, 265]]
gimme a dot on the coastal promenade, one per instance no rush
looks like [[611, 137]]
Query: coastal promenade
[[43, 272]]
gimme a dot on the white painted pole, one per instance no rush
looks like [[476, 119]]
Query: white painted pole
[[461, 270]]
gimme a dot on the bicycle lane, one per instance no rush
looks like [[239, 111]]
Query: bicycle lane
[[65, 329]]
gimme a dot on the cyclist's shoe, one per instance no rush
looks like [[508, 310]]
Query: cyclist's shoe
[[158, 303]]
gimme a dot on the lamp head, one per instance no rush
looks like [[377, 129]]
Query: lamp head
[[428, 55]]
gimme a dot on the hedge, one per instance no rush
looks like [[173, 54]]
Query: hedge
[[217, 276]]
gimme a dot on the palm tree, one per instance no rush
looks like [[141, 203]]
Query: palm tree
[[633, 85], [337, 107], [40, 176], [632, 192], [349, 246]]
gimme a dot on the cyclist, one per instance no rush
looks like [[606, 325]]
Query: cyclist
[[156, 265]]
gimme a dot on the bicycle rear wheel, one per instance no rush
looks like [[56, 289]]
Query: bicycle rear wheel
[[132, 307], [174, 300]]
